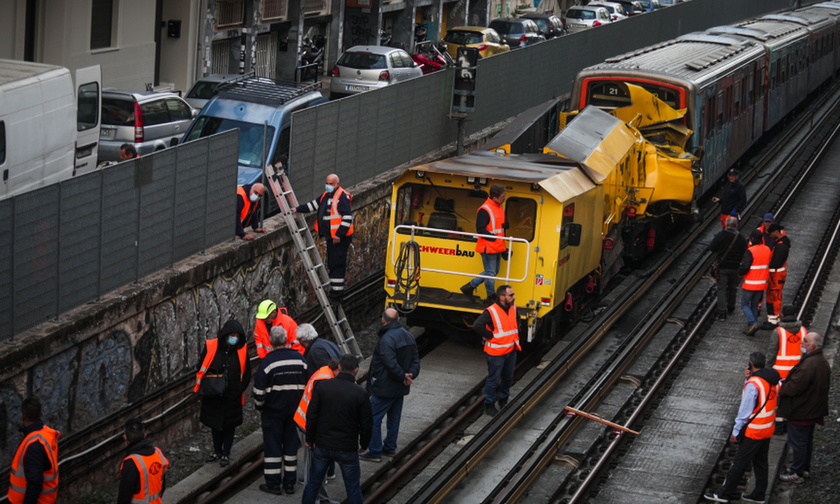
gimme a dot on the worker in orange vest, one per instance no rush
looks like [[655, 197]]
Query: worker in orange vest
[[324, 373], [247, 201], [268, 315], [785, 350], [33, 478], [755, 270], [335, 225], [498, 326], [143, 470], [490, 224], [778, 273], [754, 426]]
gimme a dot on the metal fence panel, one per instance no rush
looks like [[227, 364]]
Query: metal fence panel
[[221, 187], [6, 268], [36, 256], [119, 232], [157, 213], [191, 197], [81, 218]]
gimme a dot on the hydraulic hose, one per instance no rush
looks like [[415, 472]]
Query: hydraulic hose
[[407, 270]]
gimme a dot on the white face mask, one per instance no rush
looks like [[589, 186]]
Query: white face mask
[[255, 197]]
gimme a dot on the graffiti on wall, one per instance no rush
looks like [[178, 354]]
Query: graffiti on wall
[[361, 27]]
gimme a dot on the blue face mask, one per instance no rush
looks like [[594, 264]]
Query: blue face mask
[[232, 340], [329, 188], [255, 197]]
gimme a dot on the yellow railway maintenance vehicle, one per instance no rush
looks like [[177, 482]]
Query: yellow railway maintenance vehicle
[[604, 190]]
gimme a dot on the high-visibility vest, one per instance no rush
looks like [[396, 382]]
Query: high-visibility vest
[[248, 208], [263, 341], [212, 346], [151, 469], [325, 373], [764, 423], [334, 217], [497, 220], [758, 276], [505, 331], [790, 350], [17, 478]]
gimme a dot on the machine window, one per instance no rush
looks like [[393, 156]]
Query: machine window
[[568, 218], [521, 214], [609, 95], [442, 208]]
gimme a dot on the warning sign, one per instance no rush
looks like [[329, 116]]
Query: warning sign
[[539, 280]]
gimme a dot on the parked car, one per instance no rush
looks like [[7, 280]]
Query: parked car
[[248, 104], [650, 5], [550, 25], [617, 12], [583, 18], [205, 88], [517, 32], [362, 68], [151, 122], [486, 40], [633, 8]]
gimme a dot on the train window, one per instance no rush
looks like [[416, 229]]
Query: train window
[[443, 208], [737, 105], [751, 92], [720, 110], [521, 214], [568, 219], [610, 95]]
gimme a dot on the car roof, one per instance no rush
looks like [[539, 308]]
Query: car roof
[[539, 15], [218, 77], [479, 29], [374, 49], [507, 20], [139, 97], [586, 7]]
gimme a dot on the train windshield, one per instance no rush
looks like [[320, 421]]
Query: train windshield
[[609, 95], [448, 209]]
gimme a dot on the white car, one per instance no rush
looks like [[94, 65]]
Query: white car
[[363, 68], [616, 10], [583, 18]]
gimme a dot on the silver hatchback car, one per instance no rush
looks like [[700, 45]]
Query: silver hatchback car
[[150, 122], [583, 18], [363, 68]]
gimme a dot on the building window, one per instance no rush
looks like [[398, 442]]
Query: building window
[[101, 24], [266, 55], [220, 56], [316, 8], [273, 11], [229, 13]]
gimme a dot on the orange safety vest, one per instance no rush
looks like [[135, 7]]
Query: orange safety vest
[[17, 478], [335, 217], [325, 373], [263, 341], [212, 346], [497, 220], [505, 331], [764, 423], [151, 469], [790, 351], [758, 276], [244, 215]]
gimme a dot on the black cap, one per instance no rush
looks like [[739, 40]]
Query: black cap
[[775, 227], [732, 171], [755, 235]]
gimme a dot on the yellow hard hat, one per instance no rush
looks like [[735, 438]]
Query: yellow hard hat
[[266, 307]]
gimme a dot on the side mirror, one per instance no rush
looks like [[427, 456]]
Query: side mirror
[[575, 230], [194, 113]]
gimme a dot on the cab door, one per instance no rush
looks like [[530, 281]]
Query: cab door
[[88, 118]]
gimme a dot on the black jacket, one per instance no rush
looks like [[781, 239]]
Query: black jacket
[[323, 205], [130, 477], [734, 197], [318, 354], [781, 251], [35, 464], [226, 412], [804, 394], [339, 417], [394, 356], [279, 382], [253, 220], [721, 242]]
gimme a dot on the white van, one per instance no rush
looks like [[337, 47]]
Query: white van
[[49, 128]]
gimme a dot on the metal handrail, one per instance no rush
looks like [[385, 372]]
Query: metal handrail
[[509, 239]]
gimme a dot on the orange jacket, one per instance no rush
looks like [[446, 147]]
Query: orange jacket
[[17, 477], [758, 276], [764, 424], [790, 350], [335, 217], [324, 373], [263, 341], [497, 220], [151, 468], [212, 346], [505, 331], [247, 207]]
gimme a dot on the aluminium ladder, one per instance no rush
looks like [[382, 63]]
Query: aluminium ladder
[[312, 263]]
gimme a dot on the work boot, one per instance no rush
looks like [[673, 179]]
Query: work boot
[[467, 290], [502, 403], [490, 409], [721, 315], [750, 330], [767, 325]]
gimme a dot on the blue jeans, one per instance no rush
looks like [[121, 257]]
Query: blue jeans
[[392, 406], [491, 263], [350, 472], [749, 303], [499, 374]]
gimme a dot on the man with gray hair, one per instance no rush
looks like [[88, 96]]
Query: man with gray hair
[[804, 404], [729, 245], [319, 351], [278, 386]]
